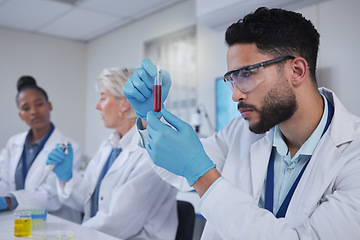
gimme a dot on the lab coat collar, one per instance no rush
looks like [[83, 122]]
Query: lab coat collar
[[129, 144], [328, 159], [348, 132], [309, 145], [125, 142], [259, 161], [114, 139], [20, 140], [37, 168]]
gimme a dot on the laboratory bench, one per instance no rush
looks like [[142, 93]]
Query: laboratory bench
[[53, 226]]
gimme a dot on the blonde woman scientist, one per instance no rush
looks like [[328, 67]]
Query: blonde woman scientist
[[119, 193], [23, 180]]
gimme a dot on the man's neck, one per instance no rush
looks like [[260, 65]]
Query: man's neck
[[303, 123]]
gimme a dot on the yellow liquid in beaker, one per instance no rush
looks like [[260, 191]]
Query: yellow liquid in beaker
[[22, 227]]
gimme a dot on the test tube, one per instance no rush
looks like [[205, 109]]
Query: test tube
[[157, 90]]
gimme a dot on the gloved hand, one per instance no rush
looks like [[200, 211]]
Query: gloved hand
[[63, 162], [139, 89], [3, 204], [178, 150]]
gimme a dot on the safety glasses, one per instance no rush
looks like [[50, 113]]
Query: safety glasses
[[248, 77]]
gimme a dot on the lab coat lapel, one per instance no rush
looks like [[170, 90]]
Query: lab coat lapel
[[18, 149], [118, 163], [325, 163], [319, 174], [342, 128], [259, 161], [105, 154], [38, 167], [126, 151]]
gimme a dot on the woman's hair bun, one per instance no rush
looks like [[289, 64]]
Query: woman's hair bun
[[25, 81]]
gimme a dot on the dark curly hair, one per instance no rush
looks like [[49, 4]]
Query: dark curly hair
[[277, 32]]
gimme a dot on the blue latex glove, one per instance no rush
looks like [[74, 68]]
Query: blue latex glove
[[139, 89], [3, 204], [178, 150], [63, 162]]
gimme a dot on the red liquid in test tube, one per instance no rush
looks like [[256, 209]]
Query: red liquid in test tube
[[157, 91]]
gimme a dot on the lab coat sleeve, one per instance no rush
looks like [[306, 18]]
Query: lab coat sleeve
[[133, 204], [41, 198], [45, 195], [76, 192], [64, 191], [235, 213], [4, 171], [178, 182], [215, 146], [77, 156], [72, 192]]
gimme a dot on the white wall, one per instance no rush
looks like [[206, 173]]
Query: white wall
[[59, 68], [339, 49], [125, 48], [337, 22], [68, 70]]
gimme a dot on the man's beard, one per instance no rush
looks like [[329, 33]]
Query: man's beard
[[279, 105]]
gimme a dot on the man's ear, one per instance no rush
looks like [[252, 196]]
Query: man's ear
[[300, 70]]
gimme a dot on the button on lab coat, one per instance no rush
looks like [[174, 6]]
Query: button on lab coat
[[134, 202], [36, 194], [325, 204]]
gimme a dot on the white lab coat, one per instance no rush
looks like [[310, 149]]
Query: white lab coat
[[36, 194], [134, 202], [325, 204]]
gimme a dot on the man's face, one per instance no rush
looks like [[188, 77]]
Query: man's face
[[272, 101]]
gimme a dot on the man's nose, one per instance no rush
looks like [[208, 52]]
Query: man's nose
[[238, 95]]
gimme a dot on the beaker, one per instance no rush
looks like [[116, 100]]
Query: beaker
[[22, 224]]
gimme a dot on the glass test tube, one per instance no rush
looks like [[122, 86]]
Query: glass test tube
[[157, 91]]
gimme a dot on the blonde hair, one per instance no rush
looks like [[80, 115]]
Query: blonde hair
[[114, 80]]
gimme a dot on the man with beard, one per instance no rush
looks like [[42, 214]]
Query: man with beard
[[289, 168]]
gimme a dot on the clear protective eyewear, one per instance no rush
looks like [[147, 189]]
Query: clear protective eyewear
[[248, 77]]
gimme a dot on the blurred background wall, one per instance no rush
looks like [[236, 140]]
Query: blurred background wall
[[68, 69]]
